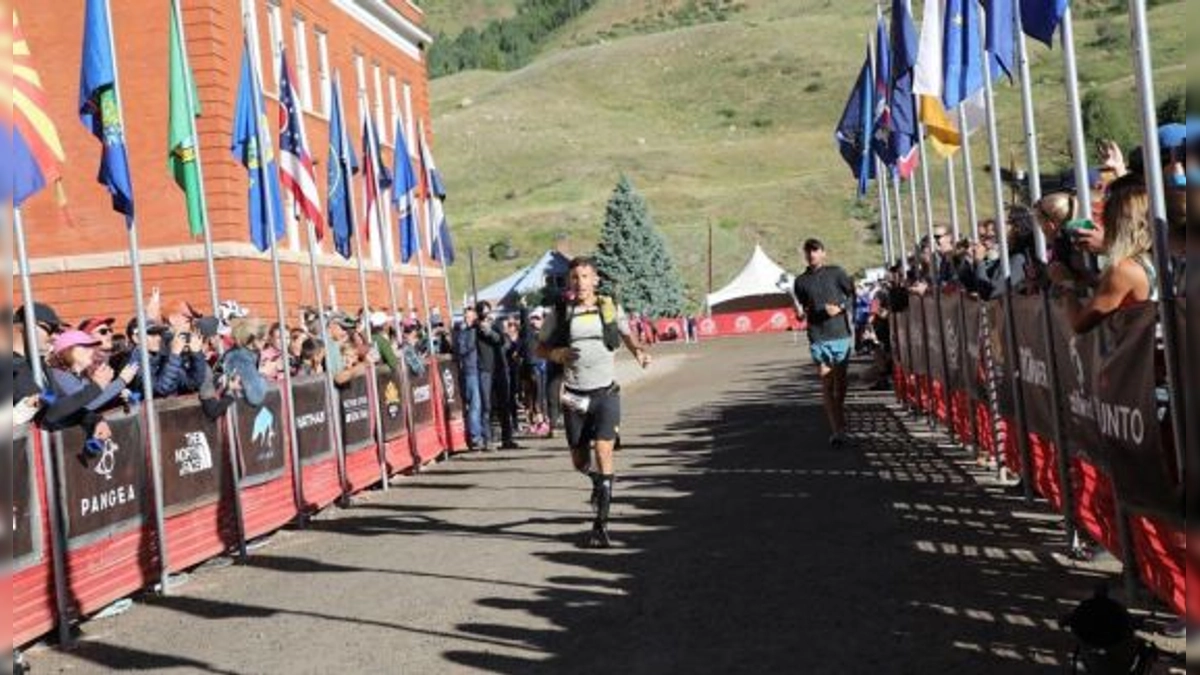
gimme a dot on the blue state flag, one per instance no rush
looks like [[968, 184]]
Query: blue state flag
[[962, 53], [249, 130], [1001, 36], [854, 128], [881, 140], [404, 196], [903, 120], [1040, 18], [98, 106], [342, 166]]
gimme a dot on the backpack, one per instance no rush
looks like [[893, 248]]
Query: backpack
[[563, 314]]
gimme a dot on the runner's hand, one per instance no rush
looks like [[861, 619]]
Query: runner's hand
[[643, 358]]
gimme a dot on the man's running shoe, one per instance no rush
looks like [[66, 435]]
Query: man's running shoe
[[839, 440]]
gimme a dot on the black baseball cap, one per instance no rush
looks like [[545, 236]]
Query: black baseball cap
[[152, 328], [43, 314], [811, 245]]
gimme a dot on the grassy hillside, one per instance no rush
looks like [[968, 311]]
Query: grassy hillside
[[451, 16], [728, 123]]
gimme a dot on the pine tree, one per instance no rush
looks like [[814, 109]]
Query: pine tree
[[633, 260]]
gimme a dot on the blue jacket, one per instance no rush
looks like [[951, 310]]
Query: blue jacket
[[466, 350], [244, 364]]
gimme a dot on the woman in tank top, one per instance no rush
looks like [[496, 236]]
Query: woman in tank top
[[1130, 277]]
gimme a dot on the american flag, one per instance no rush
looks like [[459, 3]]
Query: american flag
[[295, 162]]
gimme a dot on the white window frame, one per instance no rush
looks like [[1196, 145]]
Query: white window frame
[[380, 120], [410, 129], [275, 31], [323, 75], [394, 100], [299, 39]]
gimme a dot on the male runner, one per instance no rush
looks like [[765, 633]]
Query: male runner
[[826, 292], [583, 334]]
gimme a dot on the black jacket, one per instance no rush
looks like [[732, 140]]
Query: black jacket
[[491, 349]]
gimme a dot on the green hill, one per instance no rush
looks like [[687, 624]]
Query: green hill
[[724, 117]]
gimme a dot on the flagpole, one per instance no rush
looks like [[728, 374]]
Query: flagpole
[[54, 507], [1083, 188], [1006, 273], [347, 176], [210, 269], [441, 244], [884, 212], [428, 213], [1152, 153], [916, 213], [899, 204], [1034, 171], [968, 171], [147, 383], [952, 188], [276, 275]]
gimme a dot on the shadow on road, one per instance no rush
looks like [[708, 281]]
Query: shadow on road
[[747, 545]]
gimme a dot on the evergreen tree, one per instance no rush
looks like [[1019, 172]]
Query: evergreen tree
[[633, 259]]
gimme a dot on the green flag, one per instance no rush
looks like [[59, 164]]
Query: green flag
[[181, 129]]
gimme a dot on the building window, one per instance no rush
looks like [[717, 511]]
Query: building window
[[303, 74], [323, 72], [380, 120], [394, 109], [275, 32], [409, 125]]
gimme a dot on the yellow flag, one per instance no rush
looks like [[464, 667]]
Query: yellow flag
[[943, 131]]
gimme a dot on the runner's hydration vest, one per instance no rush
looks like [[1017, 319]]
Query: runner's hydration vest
[[565, 313]]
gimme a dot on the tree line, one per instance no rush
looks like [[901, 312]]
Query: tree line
[[503, 44]]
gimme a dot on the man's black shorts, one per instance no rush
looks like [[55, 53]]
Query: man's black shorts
[[601, 421]]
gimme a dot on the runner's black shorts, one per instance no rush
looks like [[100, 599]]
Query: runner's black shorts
[[601, 422]]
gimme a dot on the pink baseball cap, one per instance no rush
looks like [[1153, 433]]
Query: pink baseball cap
[[73, 338]]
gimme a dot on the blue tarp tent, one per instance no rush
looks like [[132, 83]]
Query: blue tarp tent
[[550, 269]]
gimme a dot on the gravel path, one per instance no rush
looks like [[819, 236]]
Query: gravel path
[[746, 545]]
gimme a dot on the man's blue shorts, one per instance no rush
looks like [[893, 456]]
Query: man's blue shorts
[[832, 352]]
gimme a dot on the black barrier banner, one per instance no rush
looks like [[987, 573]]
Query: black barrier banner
[[1002, 361], [391, 403], [261, 440], [899, 323], [1188, 328], [1126, 408], [193, 456], [1033, 364], [916, 337], [356, 414], [448, 369], [1076, 362], [309, 397], [933, 337], [421, 394], [19, 495], [972, 334], [103, 486], [953, 335]]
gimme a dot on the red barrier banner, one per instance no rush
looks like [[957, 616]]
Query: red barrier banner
[[310, 401], [20, 546], [261, 440], [421, 397], [391, 403], [750, 323], [357, 433], [193, 456], [450, 387], [104, 490]]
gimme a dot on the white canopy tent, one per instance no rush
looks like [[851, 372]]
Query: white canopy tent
[[762, 284]]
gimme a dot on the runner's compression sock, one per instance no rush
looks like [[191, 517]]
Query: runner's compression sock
[[605, 486]]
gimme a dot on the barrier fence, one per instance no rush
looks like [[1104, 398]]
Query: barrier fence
[[1115, 474], [221, 483]]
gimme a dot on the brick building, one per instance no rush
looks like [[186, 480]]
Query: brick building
[[79, 253]]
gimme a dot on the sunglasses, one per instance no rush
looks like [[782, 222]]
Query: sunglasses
[[104, 331]]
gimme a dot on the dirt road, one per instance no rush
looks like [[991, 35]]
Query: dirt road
[[746, 545]]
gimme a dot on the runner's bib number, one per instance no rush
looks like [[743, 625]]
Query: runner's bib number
[[576, 402]]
